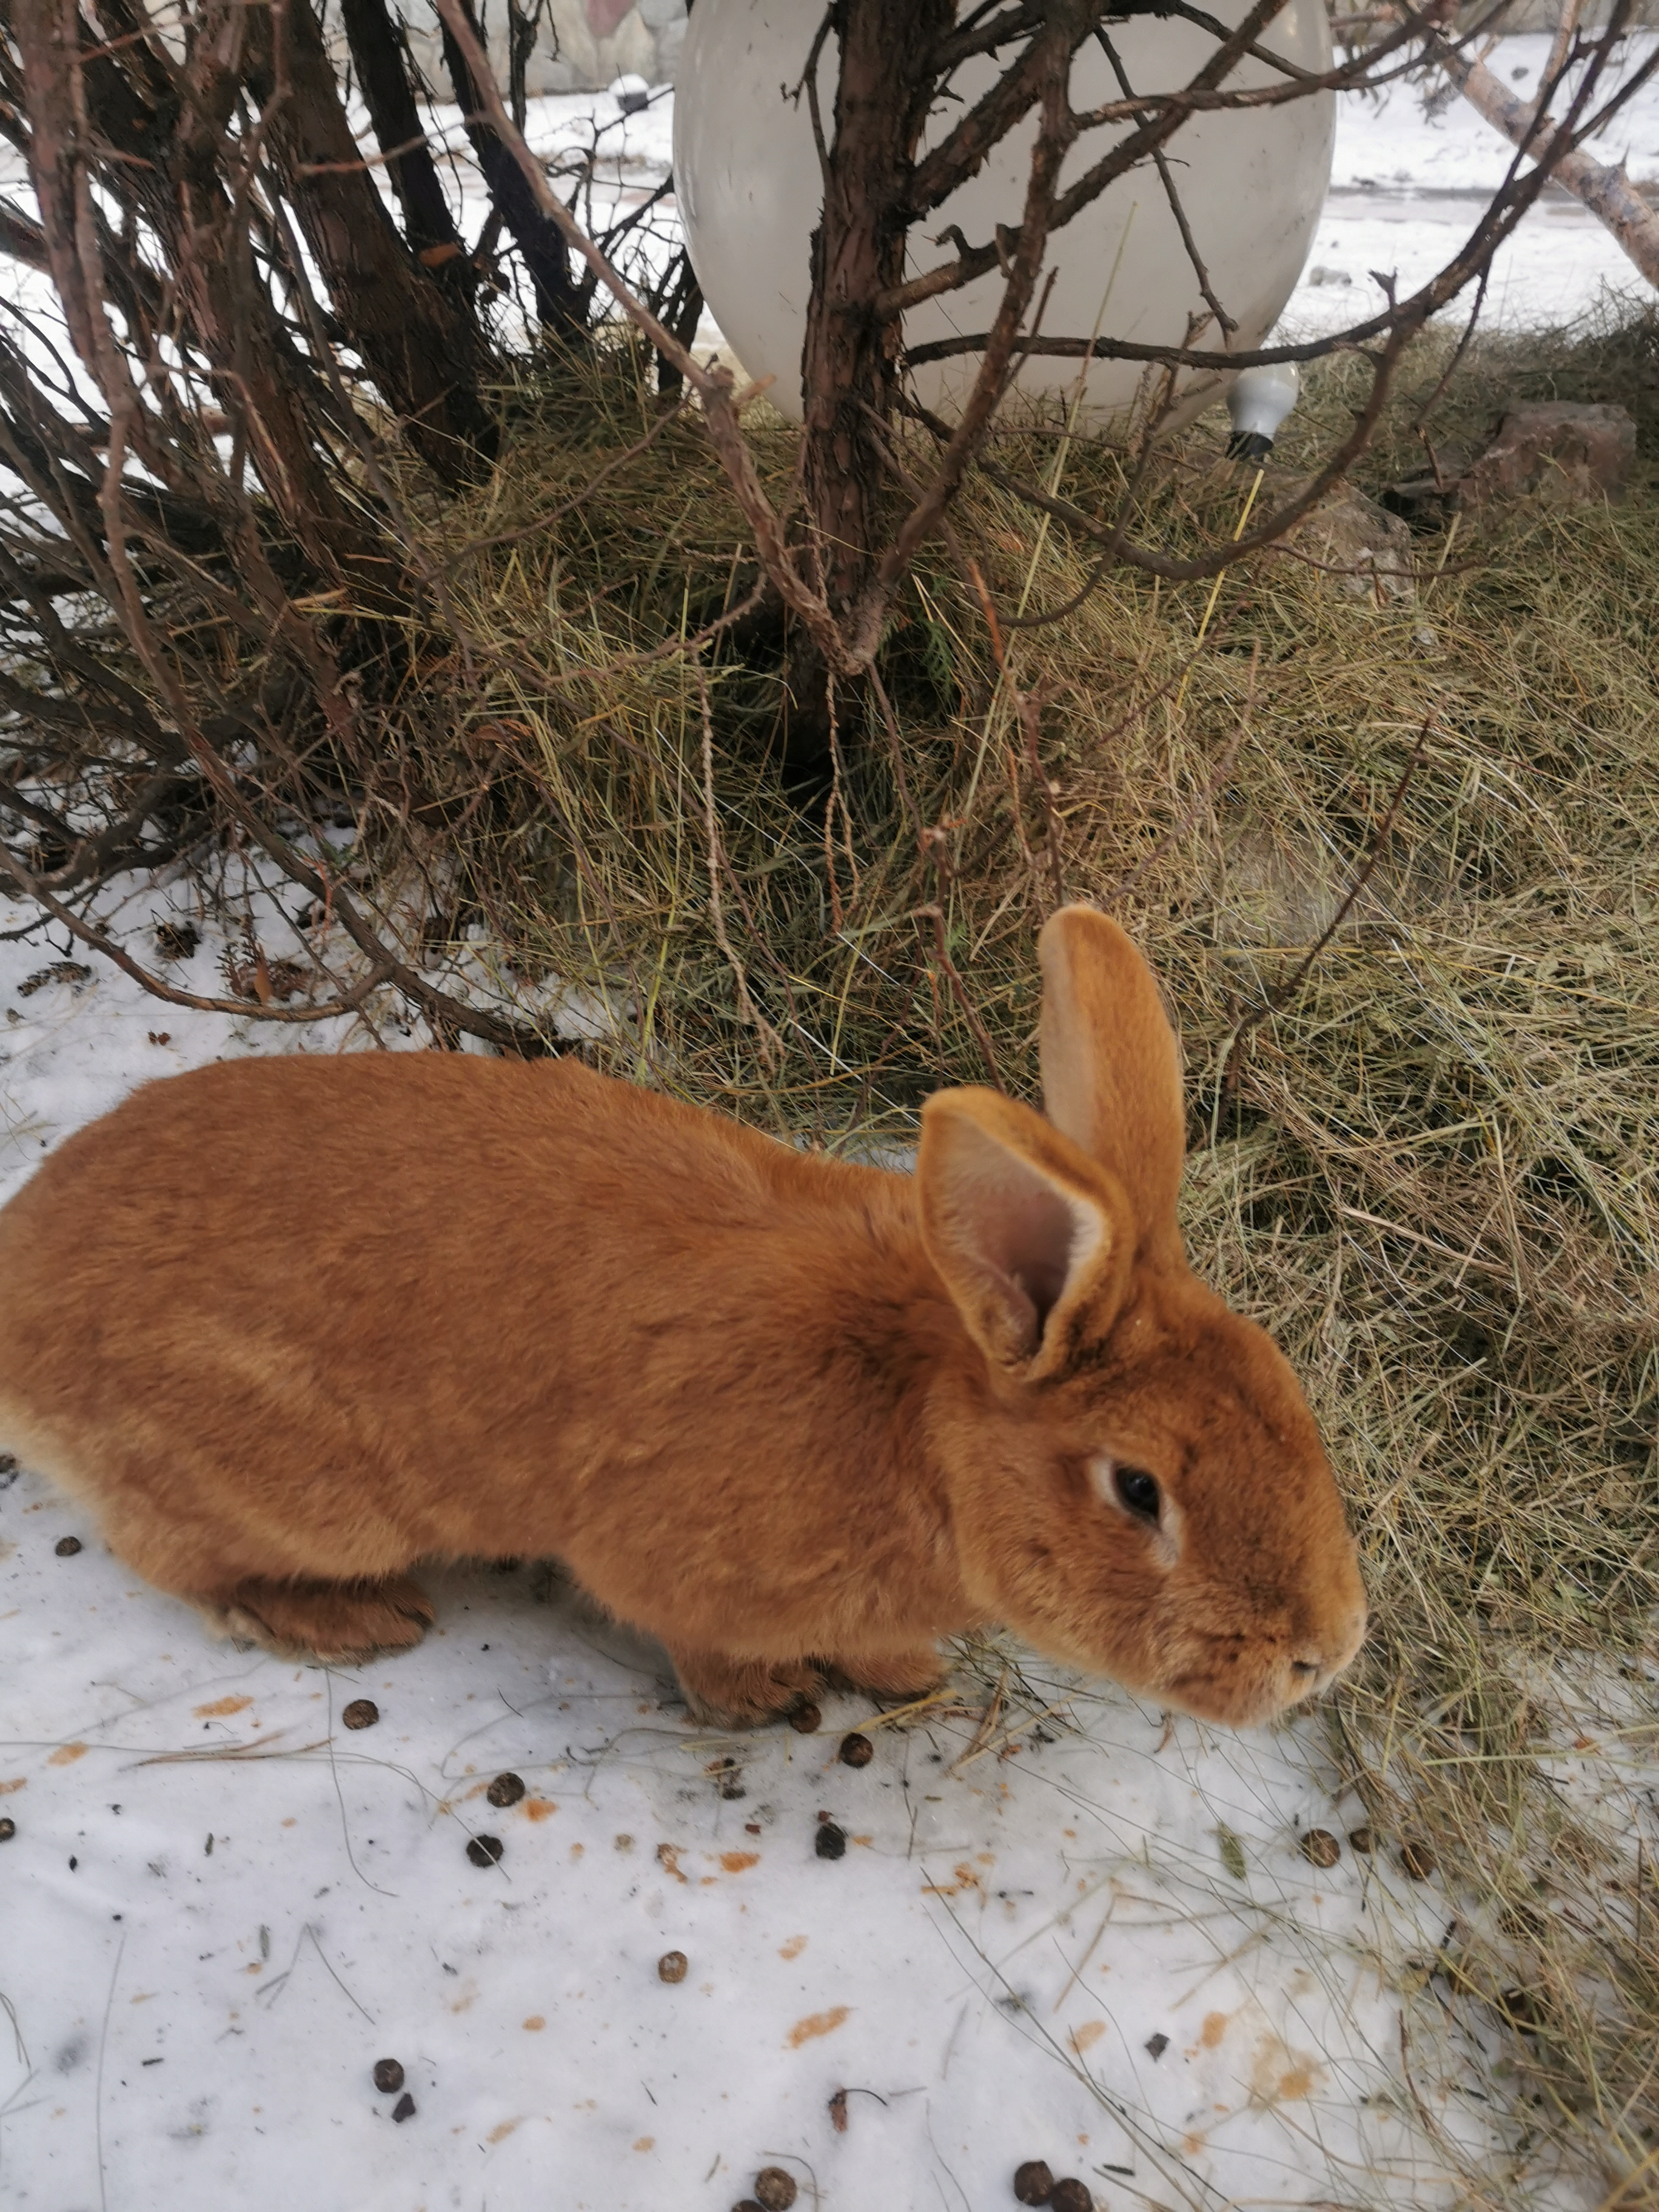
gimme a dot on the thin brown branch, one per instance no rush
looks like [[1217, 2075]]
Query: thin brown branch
[[935, 913], [1336, 465], [1278, 1000], [1160, 115], [1020, 89], [362, 164], [1166, 178], [1129, 150], [983, 32]]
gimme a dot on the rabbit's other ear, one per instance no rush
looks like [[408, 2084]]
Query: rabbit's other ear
[[1111, 1068], [1033, 1241]]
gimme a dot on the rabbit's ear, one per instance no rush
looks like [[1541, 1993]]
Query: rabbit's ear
[[1030, 1237], [1111, 1068]]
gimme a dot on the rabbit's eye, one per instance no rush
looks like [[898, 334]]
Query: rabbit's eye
[[1137, 1490]]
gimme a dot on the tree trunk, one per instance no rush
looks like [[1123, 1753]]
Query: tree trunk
[[558, 303], [422, 345], [377, 54], [849, 364]]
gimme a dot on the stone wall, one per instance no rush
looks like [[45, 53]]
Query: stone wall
[[585, 45], [1543, 15], [591, 43]]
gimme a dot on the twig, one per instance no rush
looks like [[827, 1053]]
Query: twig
[[988, 1720], [771, 1044], [1166, 178], [1383, 366], [1109, 551], [1029, 1720], [98, 2091], [345, 1002], [935, 913], [936, 1701], [1461, 348], [230, 1754], [1276, 999], [950, 164]]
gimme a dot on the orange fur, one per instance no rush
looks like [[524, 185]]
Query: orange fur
[[291, 1325]]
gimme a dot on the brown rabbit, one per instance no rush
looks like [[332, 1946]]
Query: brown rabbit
[[293, 1324]]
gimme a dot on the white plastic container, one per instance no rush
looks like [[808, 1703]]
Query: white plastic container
[[1252, 184]]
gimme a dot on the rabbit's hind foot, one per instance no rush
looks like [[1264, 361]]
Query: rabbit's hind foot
[[722, 1691], [333, 1621]]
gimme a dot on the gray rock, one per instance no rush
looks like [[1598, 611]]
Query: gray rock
[[1563, 451], [1365, 552]]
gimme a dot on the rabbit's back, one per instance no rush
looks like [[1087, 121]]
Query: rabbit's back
[[378, 1307]]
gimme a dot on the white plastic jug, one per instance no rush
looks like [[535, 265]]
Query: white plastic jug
[[1252, 184]]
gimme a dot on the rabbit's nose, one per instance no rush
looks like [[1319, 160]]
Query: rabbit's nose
[[1321, 1661], [1307, 1674]]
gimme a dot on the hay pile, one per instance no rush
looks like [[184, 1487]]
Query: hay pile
[[1433, 1170]]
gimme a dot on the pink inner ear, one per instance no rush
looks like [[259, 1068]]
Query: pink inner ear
[[1013, 1221], [1027, 1230], [603, 16]]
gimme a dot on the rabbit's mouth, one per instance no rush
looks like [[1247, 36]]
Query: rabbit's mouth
[[1242, 1684], [1237, 1704]]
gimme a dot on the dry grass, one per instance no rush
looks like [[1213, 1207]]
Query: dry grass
[[1434, 1171]]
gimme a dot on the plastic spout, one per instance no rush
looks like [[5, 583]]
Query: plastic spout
[[1259, 401]]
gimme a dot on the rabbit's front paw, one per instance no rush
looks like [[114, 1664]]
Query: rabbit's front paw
[[722, 1691], [339, 1621]]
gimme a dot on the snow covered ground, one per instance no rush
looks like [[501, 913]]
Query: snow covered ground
[[221, 1908]]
